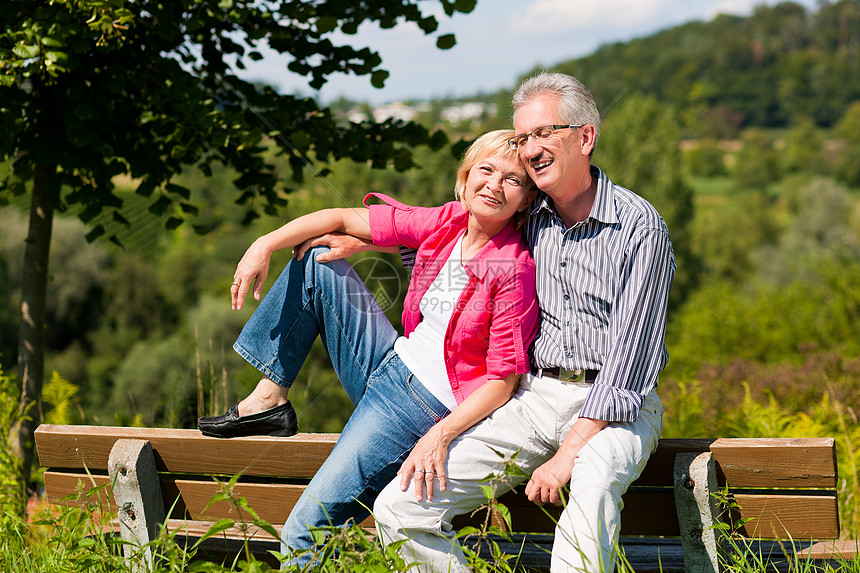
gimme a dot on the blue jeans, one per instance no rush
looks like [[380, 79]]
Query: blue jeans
[[393, 409]]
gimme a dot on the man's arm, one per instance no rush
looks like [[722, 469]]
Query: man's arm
[[547, 481], [341, 245], [637, 353]]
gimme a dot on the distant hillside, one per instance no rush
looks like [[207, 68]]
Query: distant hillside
[[779, 64]]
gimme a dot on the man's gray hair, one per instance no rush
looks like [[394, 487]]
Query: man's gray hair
[[577, 103]]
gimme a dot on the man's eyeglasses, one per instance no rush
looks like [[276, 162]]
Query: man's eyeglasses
[[539, 134]]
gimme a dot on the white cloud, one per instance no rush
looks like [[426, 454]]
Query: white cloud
[[551, 16], [738, 7]]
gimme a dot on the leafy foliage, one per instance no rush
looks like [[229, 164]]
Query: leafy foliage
[[849, 161], [61, 396], [640, 150], [780, 63], [96, 89]]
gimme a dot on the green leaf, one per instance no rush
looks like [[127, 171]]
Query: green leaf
[[55, 56], [97, 232], [189, 208], [160, 206], [267, 527], [183, 192], [438, 140], [146, 187], [326, 24], [249, 217], [50, 42], [377, 78], [173, 222], [446, 41], [90, 212], [465, 6], [505, 513], [215, 529], [25, 51], [428, 25], [120, 219]]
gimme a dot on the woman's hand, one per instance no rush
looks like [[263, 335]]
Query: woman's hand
[[251, 270], [429, 455]]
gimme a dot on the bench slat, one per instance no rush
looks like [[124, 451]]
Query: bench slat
[[187, 451], [799, 462], [836, 549], [742, 462], [801, 516], [272, 502], [651, 512], [745, 462]]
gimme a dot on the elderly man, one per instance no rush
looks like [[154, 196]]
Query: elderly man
[[588, 414]]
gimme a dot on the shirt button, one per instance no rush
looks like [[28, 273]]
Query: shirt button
[[567, 323], [567, 297], [563, 263]]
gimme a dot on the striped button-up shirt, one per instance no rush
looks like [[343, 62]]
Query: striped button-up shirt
[[603, 286]]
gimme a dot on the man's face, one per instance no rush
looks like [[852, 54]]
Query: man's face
[[555, 163]]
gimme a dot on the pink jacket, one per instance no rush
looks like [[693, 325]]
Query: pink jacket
[[496, 316]]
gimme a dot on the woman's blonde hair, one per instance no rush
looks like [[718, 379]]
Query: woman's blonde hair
[[492, 143]]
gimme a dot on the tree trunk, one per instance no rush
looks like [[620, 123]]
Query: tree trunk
[[31, 349]]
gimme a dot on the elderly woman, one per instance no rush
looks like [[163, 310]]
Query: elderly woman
[[469, 316]]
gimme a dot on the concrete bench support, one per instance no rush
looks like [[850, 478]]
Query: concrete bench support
[[695, 479], [137, 492]]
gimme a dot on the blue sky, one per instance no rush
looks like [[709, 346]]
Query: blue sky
[[498, 42]]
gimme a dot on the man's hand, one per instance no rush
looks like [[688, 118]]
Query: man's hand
[[547, 481], [341, 245]]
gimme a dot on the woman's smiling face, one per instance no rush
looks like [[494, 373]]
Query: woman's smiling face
[[496, 189]]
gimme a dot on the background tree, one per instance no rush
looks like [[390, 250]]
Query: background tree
[[804, 149], [757, 166], [93, 89], [782, 61], [639, 149], [848, 163]]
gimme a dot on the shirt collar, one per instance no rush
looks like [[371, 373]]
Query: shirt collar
[[603, 208]]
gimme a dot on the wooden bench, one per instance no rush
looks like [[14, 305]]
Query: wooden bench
[[785, 489]]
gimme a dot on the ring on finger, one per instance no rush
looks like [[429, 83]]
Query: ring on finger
[[234, 284], [419, 471]]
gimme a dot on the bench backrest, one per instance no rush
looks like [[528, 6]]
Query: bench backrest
[[784, 487]]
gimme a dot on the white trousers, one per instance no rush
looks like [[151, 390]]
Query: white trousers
[[529, 429]]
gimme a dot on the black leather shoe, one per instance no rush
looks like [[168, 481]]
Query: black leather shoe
[[277, 421]]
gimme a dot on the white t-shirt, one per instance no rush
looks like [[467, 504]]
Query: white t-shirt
[[424, 352]]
